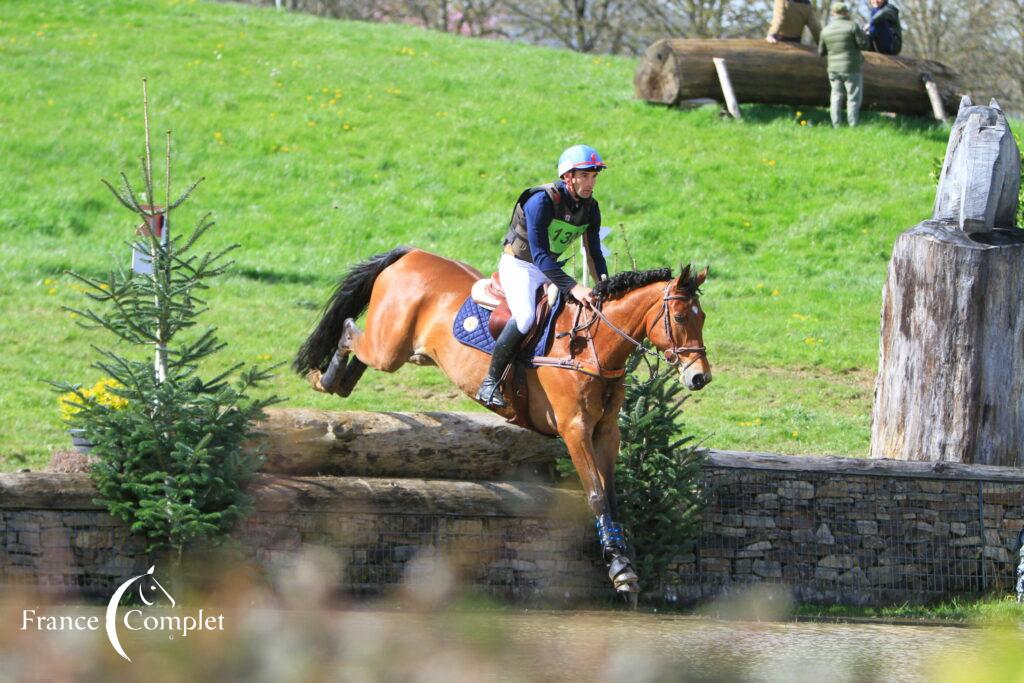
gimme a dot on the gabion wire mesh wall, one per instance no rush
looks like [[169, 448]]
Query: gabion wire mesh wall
[[855, 539], [830, 536]]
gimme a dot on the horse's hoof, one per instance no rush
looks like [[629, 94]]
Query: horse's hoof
[[313, 377]]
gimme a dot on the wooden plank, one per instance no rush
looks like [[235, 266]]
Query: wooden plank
[[829, 464], [938, 111], [730, 95]]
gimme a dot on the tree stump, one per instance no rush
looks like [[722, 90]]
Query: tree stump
[[674, 70], [950, 384]]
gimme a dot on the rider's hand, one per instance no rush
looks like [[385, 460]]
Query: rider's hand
[[582, 294]]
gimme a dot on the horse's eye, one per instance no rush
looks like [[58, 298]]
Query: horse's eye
[[679, 318]]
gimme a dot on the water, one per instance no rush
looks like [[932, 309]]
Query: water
[[630, 647]]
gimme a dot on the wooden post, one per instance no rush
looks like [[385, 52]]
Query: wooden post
[[950, 383], [730, 97], [938, 111]]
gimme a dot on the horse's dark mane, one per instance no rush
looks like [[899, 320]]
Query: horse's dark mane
[[626, 281]]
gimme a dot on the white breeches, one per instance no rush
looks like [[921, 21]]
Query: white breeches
[[520, 281]]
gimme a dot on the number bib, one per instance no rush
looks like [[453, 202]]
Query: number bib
[[561, 235]]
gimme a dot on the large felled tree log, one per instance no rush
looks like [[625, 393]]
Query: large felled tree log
[[950, 383], [429, 445], [678, 69]]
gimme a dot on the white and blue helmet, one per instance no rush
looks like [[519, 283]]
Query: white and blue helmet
[[579, 157]]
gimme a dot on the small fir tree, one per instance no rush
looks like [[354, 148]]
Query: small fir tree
[[170, 462], [658, 473], [658, 479]]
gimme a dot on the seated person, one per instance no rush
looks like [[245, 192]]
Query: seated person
[[788, 20]]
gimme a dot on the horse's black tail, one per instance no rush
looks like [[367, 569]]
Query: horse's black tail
[[349, 300]]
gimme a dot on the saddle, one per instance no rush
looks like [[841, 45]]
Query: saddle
[[488, 293]]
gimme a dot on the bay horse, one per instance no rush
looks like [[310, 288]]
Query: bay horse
[[411, 298]]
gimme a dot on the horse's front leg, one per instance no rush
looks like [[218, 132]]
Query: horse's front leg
[[606, 452], [579, 440]]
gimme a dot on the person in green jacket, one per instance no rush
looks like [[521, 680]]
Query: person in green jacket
[[842, 41]]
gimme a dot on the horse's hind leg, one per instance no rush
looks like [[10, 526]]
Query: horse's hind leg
[[343, 372]]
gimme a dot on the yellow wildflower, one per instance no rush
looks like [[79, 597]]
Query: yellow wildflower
[[776, 292], [102, 393]]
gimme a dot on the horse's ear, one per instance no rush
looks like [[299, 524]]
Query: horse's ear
[[684, 278], [703, 275]]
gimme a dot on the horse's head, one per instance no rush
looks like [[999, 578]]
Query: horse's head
[[676, 325]]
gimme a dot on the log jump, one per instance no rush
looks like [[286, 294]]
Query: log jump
[[676, 70]]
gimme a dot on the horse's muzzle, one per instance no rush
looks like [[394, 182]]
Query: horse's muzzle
[[698, 381]]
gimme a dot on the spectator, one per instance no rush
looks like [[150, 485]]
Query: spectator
[[788, 20], [883, 29], [842, 41]]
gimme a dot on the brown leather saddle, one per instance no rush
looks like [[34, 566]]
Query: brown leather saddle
[[488, 293]]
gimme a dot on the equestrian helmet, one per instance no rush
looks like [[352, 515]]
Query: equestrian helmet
[[579, 157]]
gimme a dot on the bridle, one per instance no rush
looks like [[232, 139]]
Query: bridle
[[673, 355]]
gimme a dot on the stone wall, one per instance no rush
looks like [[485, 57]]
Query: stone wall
[[832, 529], [515, 540], [856, 531]]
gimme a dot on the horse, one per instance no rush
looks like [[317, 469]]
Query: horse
[[411, 298]]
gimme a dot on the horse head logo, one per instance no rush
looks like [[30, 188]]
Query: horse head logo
[[149, 591]]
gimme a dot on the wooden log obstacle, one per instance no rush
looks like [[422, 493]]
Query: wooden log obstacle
[[470, 446], [675, 71], [950, 383]]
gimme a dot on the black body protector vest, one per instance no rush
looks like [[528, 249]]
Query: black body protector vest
[[565, 227]]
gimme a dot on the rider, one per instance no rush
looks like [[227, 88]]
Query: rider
[[545, 221]]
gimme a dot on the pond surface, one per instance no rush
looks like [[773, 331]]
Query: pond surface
[[633, 647]]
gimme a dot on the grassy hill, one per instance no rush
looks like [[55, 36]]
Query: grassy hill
[[324, 142]]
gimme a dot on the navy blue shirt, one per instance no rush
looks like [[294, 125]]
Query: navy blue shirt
[[880, 33], [540, 211]]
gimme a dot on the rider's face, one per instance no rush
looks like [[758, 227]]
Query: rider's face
[[581, 183]]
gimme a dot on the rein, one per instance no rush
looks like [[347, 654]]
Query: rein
[[672, 355]]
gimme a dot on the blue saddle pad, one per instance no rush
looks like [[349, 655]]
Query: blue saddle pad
[[470, 328]]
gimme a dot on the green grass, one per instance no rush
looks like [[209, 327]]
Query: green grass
[[992, 610], [324, 142]]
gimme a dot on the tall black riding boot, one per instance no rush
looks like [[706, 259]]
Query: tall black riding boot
[[504, 350]]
